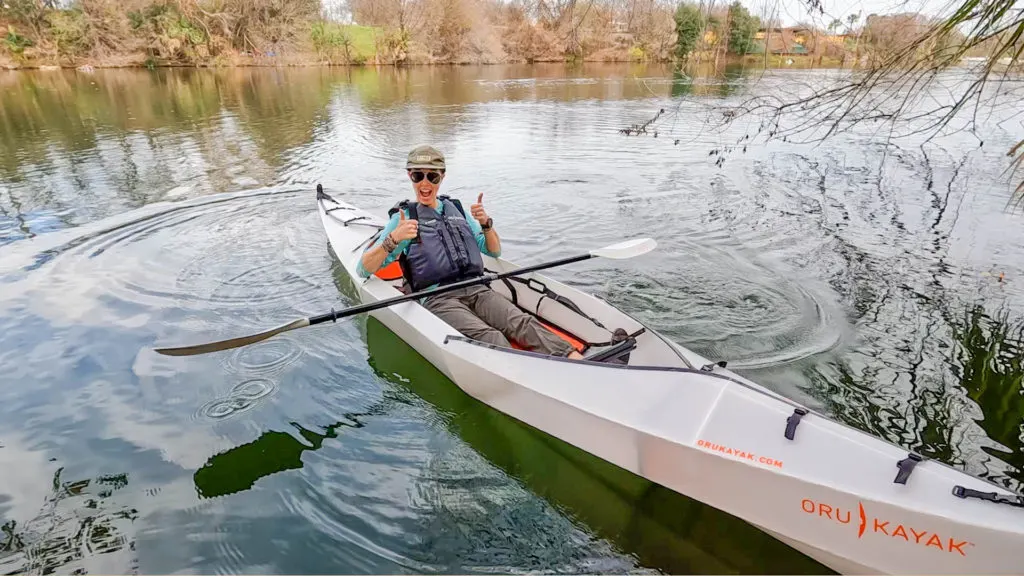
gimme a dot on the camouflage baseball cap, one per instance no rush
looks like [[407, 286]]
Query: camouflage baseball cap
[[425, 157]]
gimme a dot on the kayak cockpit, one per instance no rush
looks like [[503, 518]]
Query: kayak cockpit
[[594, 328]]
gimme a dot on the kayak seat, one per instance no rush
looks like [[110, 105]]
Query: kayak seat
[[575, 342], [390, 272]]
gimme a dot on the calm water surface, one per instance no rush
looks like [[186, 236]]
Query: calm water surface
[[139, 209]]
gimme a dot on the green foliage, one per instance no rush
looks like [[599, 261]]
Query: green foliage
[[364, 39], [180, 28], [714, 24], [326, 35], [637, 54], [69, 30], [330, 41], [171, 35], [393, 46], [337, 42], [689, 23], [136, 19], [742, 27], [15, 43]]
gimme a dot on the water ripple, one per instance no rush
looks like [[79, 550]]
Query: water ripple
[[243, 397], [265, 357]]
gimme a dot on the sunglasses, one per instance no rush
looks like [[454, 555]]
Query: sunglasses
[[432, 177]]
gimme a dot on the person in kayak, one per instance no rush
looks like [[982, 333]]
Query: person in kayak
[[448, 249]]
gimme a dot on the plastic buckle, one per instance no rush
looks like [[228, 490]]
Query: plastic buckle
[[906, 466], [793, 421]]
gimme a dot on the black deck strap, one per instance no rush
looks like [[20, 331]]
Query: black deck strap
[[563, 300], [512, 291], [961, 492], [613, 352], [615, 339], [793, 421], [370, 240], [711, 367], [906, 466], [544, 292]]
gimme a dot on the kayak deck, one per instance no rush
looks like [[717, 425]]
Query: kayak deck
[[848, 499]]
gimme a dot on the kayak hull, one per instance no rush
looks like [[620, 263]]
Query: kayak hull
[[694, 444], [713, 436]]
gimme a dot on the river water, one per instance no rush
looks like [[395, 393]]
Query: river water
[[878, 283]]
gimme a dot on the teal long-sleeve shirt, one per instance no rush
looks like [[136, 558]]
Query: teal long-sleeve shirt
[[402, 246]]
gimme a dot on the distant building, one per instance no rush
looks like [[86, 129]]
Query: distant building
[[785, 41]]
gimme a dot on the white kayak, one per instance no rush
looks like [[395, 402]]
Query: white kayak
[[851, 501]]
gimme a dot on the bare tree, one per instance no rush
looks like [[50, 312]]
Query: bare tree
[[891, 91]]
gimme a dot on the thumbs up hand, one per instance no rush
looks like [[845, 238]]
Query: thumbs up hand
[[478, 212], [406, 230]]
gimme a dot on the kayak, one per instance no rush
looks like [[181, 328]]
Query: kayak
[[849, 500]]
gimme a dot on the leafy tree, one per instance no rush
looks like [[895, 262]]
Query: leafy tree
[[742, 27], [689, 24]]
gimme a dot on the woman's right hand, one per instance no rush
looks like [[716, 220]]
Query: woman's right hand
[[406, 230]]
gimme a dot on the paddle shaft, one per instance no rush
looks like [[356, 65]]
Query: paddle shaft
[[487, 278], [627, 249]]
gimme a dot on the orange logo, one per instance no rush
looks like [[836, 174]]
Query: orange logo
[[888, 528], [764, 460]]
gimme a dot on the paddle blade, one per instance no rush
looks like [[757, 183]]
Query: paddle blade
[[627, 249], [232, 342]]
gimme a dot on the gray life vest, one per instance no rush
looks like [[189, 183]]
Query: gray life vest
[[444, 250]]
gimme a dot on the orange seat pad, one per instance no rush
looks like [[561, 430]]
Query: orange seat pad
[[393, 271], [577, 344]]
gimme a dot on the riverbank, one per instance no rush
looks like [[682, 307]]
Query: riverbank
[[295, 61], [149, 33], [311, 61]]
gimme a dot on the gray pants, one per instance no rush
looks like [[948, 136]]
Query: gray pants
[[482, 314]]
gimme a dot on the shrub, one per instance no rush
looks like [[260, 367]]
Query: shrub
[[15, 43], [69, 31]]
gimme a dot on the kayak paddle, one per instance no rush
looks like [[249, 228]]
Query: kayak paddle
[[620, 251]]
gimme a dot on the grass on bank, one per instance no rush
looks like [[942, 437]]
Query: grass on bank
[[344, 43]]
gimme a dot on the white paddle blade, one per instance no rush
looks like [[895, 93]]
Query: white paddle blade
[[627, 249]]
